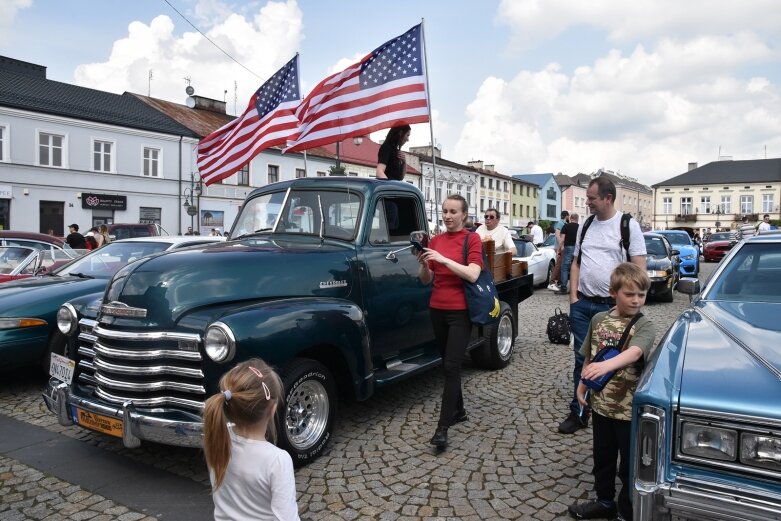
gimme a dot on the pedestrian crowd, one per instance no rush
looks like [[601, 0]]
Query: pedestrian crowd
[[96, 237]]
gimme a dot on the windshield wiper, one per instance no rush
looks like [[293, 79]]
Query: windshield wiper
[[81, 275], [252, 233]]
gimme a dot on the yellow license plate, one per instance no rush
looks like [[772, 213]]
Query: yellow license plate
[[100, 423]]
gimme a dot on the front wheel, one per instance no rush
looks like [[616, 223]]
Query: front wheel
[[498, 342], [549, 275], [305, 425]]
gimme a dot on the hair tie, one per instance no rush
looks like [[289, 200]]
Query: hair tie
[[228, 395]]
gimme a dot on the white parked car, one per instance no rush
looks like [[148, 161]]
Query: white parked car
[[540, 260]]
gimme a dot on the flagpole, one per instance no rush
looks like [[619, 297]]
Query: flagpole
[[430, 124]]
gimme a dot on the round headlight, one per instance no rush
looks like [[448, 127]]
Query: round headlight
[[66, 319], [219, 342]]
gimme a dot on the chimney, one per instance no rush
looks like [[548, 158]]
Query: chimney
[[490, 168], [212, 105], [692, 166], [476, 164], [425, 151]]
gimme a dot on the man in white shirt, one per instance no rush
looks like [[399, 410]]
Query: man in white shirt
[[503, 241], [536, 232], [764, 226], [594, 259]]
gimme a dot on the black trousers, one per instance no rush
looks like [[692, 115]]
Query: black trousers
[[611, 439], [451, 332]]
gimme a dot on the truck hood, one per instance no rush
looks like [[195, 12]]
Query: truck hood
[[247, 270], [733, 359], [35, 296]]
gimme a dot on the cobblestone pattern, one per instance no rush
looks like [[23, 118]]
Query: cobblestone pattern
[[508, 461], [29, 494]]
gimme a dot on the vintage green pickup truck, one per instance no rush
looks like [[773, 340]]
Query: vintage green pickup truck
[[317, 278]]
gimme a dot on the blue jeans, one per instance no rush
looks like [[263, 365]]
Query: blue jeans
[[566, 263], [580, 315]]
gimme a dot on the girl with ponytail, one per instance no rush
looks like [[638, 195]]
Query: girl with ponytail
[[251, 478]]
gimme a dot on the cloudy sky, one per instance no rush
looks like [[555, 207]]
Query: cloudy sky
[[641, 88]]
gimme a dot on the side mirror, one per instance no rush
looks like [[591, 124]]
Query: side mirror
[[688, 286], [419, 240], [675, 252]]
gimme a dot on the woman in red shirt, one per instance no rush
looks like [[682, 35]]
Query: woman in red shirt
[[442, 261]]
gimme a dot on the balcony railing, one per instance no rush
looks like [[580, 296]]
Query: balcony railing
[[686, 218], [752, 217]]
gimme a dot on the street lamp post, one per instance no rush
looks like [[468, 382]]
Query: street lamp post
[[718, 215], [191, 193]]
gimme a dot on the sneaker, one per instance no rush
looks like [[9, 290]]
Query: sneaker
[[592, 510], [573, 423], [553, 286], [562, 291], [439, 440]]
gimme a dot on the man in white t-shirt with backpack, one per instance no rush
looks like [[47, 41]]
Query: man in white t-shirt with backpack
[[604, 240]]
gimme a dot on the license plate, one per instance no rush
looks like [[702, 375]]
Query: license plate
[[98, 422], [62, 368]]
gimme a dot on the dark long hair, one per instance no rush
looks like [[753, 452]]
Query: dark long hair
[[394, 135]]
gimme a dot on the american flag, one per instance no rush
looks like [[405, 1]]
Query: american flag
[[385, 89], [269, 120]]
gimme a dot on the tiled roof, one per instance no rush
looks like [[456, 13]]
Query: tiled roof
[[363, 154], [37, 94], [622, 181], [536, 179], [453, 164], [201, 122], [726, 172]]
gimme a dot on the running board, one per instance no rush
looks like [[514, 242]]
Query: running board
[[397, 370]]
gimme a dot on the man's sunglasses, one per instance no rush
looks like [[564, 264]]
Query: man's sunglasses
[[489, 217]]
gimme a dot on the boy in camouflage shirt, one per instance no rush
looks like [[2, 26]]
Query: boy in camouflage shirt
[[612, 406]]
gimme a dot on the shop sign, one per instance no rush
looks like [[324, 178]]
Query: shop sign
[[103, 202], [6, 192]]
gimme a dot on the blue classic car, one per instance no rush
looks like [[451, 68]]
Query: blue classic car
[[29, 307], [689, 252], [707, 412]]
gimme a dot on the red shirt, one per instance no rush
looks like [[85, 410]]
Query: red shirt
[[448, 292]]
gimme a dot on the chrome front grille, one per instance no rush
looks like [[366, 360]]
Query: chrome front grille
[[149, 369]]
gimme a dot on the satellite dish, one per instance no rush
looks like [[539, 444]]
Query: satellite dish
[[189, 90], [190, 102]]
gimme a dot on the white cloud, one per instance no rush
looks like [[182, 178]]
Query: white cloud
[[276, 29], [646, 113], [8, 10]]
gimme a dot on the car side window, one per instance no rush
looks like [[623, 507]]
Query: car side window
[[379, 226]]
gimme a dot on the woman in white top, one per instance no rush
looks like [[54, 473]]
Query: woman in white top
[[251, 478]]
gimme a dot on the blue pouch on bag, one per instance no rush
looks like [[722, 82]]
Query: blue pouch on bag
[[606, 353]]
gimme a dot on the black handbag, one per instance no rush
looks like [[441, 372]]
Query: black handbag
[[606, 353], [559, 328], [482, 299]]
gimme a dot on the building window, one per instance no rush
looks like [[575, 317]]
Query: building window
[[552, 193], [439, 191], [151, 162], [3, 143], [534, 209], [527, 211], [505, 187], [515, 209], [320, 174], [242, 176], [552, 210], [482, 205], [527, 191], [490, 184], [705, 204], [746, 204], [468, 198], [667, 204], [515, 189], [50, 149], [767, 203], [482, 184], [101, 156], [352, 174], [300, 172], [686, 205], [505, 208], [726, 204], [273, 174]]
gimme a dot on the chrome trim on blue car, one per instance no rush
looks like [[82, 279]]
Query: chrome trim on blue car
[[146, 336]]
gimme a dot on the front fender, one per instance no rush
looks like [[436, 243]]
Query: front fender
[[280, 330]]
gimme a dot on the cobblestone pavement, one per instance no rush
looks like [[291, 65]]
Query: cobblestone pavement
[[508, 461]]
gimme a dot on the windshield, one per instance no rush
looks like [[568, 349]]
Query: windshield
[[104, 262], [678, 238], [525, 248], [341, 212], [655, 246], [752, 275], [719, 237], [11, 257]]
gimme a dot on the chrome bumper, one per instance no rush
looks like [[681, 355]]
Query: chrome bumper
[[690, 498], [135, 426]]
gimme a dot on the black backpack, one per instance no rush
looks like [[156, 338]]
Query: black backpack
[[558, 327], [625, 218]]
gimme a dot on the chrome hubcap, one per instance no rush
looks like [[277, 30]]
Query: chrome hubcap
[[307, 414], [504, 336]]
